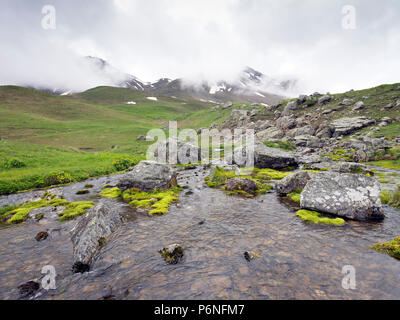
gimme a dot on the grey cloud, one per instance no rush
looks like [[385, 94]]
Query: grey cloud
[[203, 40]]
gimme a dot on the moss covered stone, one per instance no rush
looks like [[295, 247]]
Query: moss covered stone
[[315, 218], [111, 193], [294, 196], [391, 198], [72, 209], [157, 201], [391, 248]]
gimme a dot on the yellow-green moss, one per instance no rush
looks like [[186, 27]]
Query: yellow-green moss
[[72, 209], [391, 248], [112, 193], [158, 201], [294, 196], [391, 198], [264, 174], [75, 209], [315, 218]]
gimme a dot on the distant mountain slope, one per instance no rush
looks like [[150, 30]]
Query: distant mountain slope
[[249, 86]]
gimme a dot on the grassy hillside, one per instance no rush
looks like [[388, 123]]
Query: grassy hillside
[[81, 135]]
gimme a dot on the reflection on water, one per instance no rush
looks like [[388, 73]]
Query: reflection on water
[[296, 260]]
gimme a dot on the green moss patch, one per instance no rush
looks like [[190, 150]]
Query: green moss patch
[[391, 248], [315, 218], [111, 193], [72, 209], [391, 198], [278, 144], [157, 201], [295, 196]]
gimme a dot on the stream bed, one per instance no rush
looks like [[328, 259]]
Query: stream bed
[[295, 260]]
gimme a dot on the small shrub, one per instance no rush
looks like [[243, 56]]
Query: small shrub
[[123, 164], [57, 178], [14, 163]]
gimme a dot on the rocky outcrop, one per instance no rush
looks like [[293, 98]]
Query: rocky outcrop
[[294, 182], [270, 134], [290, 107], [147, 176], [337, 166], [324, 100], [264, 157], [92, 231], [351, 196], [345, 126], [173, 151]]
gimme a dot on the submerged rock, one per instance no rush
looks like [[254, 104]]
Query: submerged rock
[[90, 233], [353, 196], [27, 289], [294, 182], [172, 254], [41, 236], [147, 176]]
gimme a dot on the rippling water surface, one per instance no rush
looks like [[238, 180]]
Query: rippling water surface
[[296, 260]]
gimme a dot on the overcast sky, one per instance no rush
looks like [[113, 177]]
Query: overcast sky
[[203, 39]]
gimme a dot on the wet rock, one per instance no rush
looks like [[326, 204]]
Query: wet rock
[[89, 234], [147, 176], [293, 182], [27, 289], [345, 126], [41, 236], [79, 267], [172, 254], [240, 184], [352, 196]]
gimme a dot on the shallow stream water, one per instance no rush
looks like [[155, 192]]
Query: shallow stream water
[[296, 260]]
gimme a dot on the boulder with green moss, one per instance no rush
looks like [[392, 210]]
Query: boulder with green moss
[[148, 176], [242, 185]]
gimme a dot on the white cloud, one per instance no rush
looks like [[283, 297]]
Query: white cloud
[[203, 40]]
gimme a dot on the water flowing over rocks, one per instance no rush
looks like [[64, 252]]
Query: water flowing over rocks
[[147, 176], [351, 196]]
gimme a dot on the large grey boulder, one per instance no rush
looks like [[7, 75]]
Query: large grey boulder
[[264, 157], [290, 107], [93, 230], [147, 176], [352, 196], [337, 166], [293, 182], [270, 133], [345, 126], [286, 123], [173, 151]]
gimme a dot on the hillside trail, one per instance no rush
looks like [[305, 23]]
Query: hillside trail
[[292, 259]]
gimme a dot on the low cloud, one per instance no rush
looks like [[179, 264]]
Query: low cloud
[[202, 40]]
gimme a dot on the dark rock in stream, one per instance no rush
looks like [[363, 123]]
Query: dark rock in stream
[[80, 267], [41, 236], [293, 182], [240, 184], [92, 231], [27, 289], [172, 254]]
